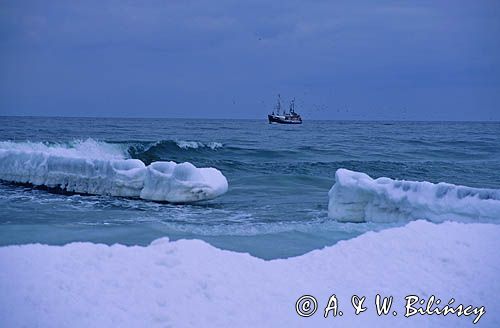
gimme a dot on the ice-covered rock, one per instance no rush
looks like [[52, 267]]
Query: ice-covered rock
[[356, 197], [97, 174]]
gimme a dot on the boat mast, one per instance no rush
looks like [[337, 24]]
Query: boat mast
[[292, 106], [278, 105]]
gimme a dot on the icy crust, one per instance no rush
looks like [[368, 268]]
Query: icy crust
[[159, 181], [168, 181], [189, 283], [356, 197]]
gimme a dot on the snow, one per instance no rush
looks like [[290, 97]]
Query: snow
[[96, 168], [189, 283], [356, 197]]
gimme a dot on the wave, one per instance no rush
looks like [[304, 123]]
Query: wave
[[99, 168], [77, 148], [208, 152], [149, 151], [356, 197], [198, 144]]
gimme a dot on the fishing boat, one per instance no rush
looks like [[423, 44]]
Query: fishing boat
[[282, 117]]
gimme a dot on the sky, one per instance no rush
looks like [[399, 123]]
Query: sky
[[346, 60]]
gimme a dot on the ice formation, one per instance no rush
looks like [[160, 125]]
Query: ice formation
[[90, 170], [189, 283], [355, 197]]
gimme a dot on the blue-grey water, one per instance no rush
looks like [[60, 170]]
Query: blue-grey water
[[279, 177]]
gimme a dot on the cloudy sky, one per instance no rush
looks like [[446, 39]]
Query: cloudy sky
[[411, 60]]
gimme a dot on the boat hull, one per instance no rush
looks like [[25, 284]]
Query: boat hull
[[280, 120]]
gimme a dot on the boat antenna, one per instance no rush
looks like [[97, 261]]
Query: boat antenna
[[292, 106], [278, 105]]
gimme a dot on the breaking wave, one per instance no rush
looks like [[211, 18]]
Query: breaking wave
[[171, 149], [78, 148], [197, 145]]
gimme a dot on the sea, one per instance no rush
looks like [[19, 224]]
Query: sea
[[279, 177]]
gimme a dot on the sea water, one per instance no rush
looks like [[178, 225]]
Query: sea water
[[279, 177]]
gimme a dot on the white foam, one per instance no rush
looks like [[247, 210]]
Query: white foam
[[78, 148], [189, 283], [96, 172], [197, 144], [355, 197]]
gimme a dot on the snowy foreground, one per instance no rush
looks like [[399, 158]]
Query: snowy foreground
[[356, 197], [94, 168], [189, 283]]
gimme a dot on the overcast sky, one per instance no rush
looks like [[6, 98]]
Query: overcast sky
[[412, 60]]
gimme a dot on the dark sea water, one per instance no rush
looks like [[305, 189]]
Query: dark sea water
[[278, 175]]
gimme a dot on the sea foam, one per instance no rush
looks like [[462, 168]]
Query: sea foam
[[97, 168], [356, 197], [197, 144]]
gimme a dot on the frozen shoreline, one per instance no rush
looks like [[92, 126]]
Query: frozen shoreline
[[190, 283], [356, 197], [98, 168]]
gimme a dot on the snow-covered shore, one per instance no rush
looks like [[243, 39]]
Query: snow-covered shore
[[189, 283]]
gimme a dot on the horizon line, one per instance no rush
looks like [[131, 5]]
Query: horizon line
[[245, 119]]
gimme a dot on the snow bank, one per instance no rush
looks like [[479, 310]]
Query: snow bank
[[89, 170], [189, 283], [355, 197]]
